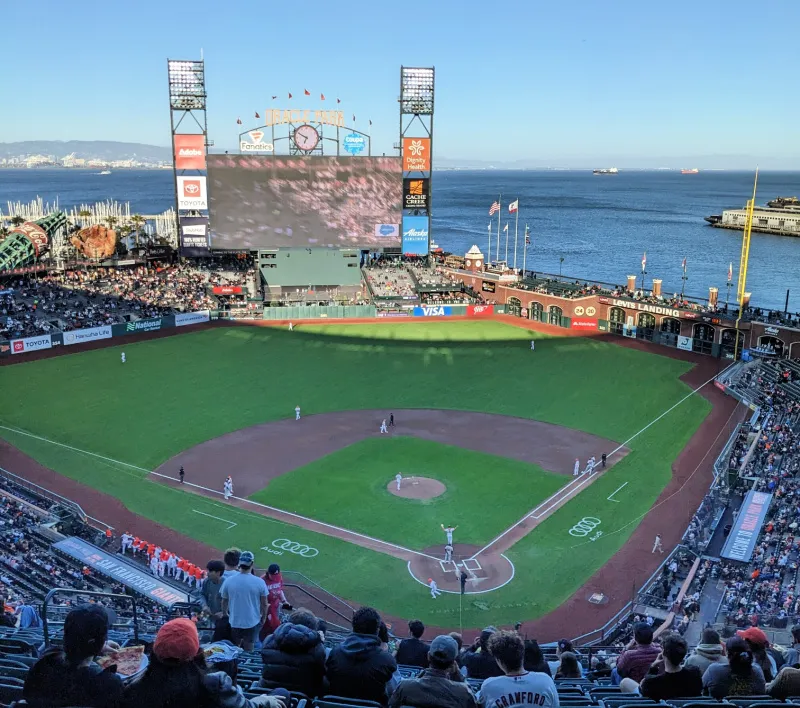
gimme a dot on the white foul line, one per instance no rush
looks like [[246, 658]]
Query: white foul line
[[616, 501], [227, 521]]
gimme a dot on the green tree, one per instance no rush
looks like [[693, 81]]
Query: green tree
[[17, 220]]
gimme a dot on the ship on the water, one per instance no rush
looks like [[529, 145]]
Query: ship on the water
[[781, 216], [693, 171], [606, 171]]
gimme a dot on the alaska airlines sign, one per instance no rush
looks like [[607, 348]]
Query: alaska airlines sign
[[644, 307]]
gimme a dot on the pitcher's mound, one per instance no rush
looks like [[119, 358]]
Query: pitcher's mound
[[417, 488]]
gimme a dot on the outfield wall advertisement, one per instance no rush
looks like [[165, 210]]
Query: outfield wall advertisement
[[190, 318], [91, 334], [31, 344]]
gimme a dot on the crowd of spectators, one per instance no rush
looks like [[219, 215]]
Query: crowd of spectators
[[390, 279]]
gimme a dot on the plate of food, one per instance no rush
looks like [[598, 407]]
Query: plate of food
[[128, 660]]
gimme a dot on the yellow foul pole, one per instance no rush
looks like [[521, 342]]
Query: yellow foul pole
[[741, 285]]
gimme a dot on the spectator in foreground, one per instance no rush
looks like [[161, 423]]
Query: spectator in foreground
[[244, 601], [231, 560], [433, 686], [635, 661], [709, 651], [763, 655], [294, 657], [358, 667], [517, 686], [177, 676], [793, 652], [561, 646], [413, 651], [569, 667], [69, 676], [739, 677], [675, 682], [534, 658], [786, 683], [210, 592], [478, 661]]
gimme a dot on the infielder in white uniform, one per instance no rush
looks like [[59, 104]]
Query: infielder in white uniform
[[384, 429], [434, 588], [449, 531], [227, 488], [122, 356], [297, 413], [577, 469], [398, 478], [448, 552], [657, 544]]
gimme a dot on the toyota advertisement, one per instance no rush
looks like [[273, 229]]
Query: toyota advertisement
[[192, 193], [31, 344], [263, 201]]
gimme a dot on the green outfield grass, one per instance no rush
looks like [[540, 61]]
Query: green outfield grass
[[350, 491], [176, 392]]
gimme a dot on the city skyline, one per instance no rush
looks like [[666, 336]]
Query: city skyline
[[564, 86]]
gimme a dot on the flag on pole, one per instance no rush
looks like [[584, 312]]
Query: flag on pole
[[338, 100], [370, 122], [274, 97], [322, 97], [290, 96], [505, 228], [730, 271], [490, 227], [514, 206], [257, 116], [238, 121], [494, 208], [307, 92], [683, 264], [644, 260], [527, 236]]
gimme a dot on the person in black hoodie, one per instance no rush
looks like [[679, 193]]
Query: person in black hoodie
[[358, 667], [478, 662], [294, 656], [70, 677], [534, 658], [413, 651]]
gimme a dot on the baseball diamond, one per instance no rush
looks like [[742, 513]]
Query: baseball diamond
[[502, 445]]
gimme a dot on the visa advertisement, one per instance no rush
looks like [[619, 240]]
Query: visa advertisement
[[415, 235]]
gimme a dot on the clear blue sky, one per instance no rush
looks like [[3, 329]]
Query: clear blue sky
[[523, 79]]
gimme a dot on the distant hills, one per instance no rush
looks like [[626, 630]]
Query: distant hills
[[107, 150]]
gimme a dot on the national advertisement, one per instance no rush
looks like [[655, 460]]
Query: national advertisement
[[190, 152], [31, 344], [192, 193], [152, 324], [480, 310], [189, 318], [122, 570], [744, 534], [416, 193], [433, 311], [415, 235], [91, 334]]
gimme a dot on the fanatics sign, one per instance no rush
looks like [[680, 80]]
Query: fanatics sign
[[190, 152]]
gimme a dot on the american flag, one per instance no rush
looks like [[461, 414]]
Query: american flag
[[494, 208]]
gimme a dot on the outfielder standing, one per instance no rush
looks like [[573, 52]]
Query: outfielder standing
[[297, 413], [122, 356]]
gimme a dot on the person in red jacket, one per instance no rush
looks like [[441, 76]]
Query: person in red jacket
[[275, 599]]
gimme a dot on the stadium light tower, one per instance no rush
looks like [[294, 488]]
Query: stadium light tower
[[416, 150], [188, 121]]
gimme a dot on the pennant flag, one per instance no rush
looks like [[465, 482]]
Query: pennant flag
[[683, 265], [307, 92], [370, 122], [238, 121], [505, 228], [644, 260], [514, 206], [730, 272], [322, 97], [257, 116], [274, 97], [338, 100], [494, 208], [354, 117], [290, 95]]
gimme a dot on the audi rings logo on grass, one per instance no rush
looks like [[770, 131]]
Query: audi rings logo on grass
[[298, 549], [585, 526]]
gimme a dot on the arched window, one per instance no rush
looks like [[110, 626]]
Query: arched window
[[727, 344], [556, 313], [616, 320], [703, 338], [670, 325], [646, 326], [774, 342], [514, 306], [536, 309]]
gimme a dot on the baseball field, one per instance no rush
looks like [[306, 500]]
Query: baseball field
[[498, 426]]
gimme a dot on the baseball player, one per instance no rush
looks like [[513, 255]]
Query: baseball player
[[592, 463], [172, 565], [398, 478], [384, 429], [533, 345], [291, 326], [448, 552], [577, 470], [434, 588], [154, 565], [227, 488], [588, 466], [297, 412], [449, 531], [122, 356], [181, 473], [657, 544], [391, 420], [126, 541]]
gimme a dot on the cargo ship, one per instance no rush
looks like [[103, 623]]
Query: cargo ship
[[781, 216], [606, 171], [693, 171]]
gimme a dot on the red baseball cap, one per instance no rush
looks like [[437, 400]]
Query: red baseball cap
[[754, 635]]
